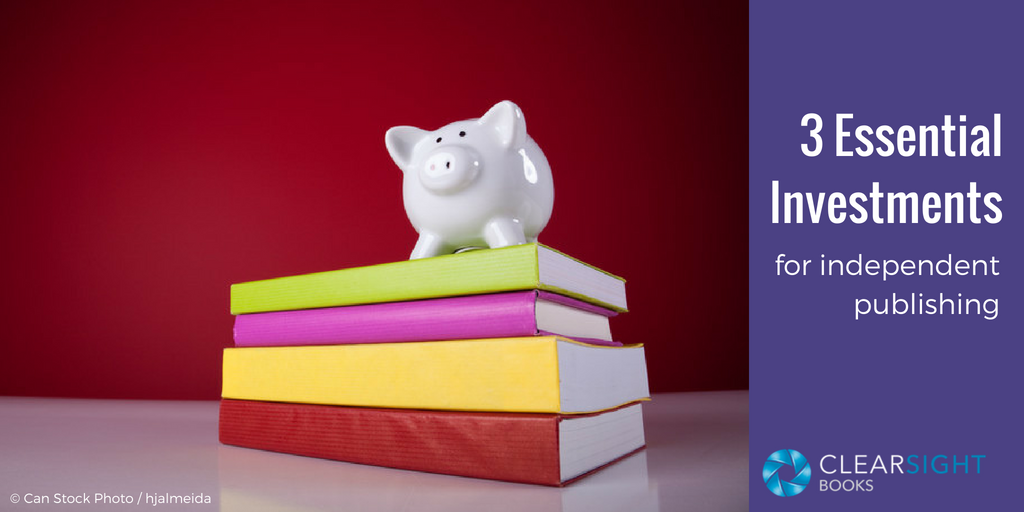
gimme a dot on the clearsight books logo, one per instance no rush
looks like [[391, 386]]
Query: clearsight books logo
[[795, 462], [788, 472]]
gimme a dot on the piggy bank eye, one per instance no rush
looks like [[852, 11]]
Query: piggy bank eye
[[439, 140], [462, 134]]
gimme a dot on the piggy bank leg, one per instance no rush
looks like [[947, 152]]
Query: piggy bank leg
[[428, 246], [502, 232]]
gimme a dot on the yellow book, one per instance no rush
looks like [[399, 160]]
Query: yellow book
[[545, 374]]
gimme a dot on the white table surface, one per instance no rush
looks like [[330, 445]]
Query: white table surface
[[696, 459]]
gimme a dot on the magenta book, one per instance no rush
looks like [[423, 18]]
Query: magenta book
[[496, 315]]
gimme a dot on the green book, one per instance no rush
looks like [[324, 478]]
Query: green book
[[518, 267]]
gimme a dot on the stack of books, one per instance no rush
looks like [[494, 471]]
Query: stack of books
[[493, 363]]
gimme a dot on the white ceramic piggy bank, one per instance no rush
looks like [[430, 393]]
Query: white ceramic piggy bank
[[475, 183]]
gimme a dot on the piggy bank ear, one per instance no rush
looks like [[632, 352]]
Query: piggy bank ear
[[400, 142], [507, 121]]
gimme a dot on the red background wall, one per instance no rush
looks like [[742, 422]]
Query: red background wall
[[152, 153]]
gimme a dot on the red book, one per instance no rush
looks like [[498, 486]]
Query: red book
[[546, 449]]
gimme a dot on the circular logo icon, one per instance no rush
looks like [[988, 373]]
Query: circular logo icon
[[796, 462]]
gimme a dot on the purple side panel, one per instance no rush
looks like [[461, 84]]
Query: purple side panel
[[479, 316], [575, 303]]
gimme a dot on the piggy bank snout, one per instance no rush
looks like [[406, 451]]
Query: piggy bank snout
[[449, 169]]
